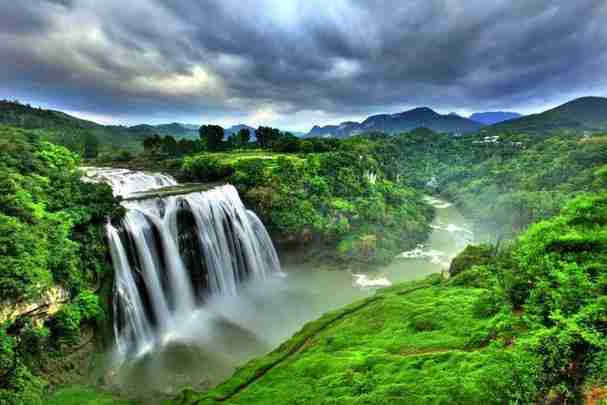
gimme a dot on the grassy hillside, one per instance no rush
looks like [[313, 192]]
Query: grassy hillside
[[527, 326], [582, 114]]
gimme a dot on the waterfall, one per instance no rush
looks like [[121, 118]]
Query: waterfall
[[171, 254], [125, 182]]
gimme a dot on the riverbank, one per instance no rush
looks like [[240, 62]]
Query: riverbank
[[390, 348], [497, 332]]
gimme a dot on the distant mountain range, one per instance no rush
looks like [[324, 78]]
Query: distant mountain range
[[401, 122], [582, 114], [175, 129], [187, 131], [494, 117], [586, 113], [66, 129], [235, 128]]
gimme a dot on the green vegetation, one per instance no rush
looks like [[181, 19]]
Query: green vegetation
[[76, 134], [503, 182], [415, 343], [77, 395], [582, 114], [338, 199], [521, 321], [51, 236], [527, 326]]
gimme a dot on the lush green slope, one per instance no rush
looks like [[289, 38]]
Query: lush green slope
[[72, 132], [526, 327], [51, 239], [586, 113], [412, 344]]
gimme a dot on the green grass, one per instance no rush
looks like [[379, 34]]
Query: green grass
[[413, 343], [233, 157], [80, 395]]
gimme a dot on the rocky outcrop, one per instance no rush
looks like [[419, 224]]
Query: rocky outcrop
[[39, 310]]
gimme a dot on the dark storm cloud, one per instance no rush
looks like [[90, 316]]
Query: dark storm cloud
[[296, 61]]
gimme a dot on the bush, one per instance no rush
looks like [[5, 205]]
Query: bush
[[65, 325], [471, 256], [205, 168]]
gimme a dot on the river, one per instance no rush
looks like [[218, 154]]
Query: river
[[228, 330]]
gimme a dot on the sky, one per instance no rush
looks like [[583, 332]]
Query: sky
[[294, 64]]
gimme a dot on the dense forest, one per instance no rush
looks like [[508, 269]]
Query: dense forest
[[51, 246]]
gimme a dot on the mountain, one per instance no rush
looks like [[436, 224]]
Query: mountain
[[235, 128], [401, 122], [70, 131], [175, 129], [585, 114], [493, 117]]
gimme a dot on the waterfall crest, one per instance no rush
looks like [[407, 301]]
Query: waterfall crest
[[171, 254], [125, 182]]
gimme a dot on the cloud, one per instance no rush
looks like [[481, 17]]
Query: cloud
[[291, 62]]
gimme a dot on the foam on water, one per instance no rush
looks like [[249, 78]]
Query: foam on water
[[450, 228], [363, 280], [437, 203], [432, 255]]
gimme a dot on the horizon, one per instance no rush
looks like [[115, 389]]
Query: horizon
[[100, 120], [297, 64]]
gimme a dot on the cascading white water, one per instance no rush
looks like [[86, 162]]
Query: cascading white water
[[171, 254], [125, 182]]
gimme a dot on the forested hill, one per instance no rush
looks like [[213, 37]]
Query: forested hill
[[174, 129], [582, 114], [70, 131]]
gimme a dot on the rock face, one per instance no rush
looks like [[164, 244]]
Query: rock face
[[39, 310]]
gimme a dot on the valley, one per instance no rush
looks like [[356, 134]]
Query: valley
[[408, 267], [256, 317]]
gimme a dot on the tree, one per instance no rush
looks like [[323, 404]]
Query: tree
[[287, 143], [186, 146], [266, 136], [244, 136], [152, 144], [91, 146], [213, 134], [240, 138], [169, 145]]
